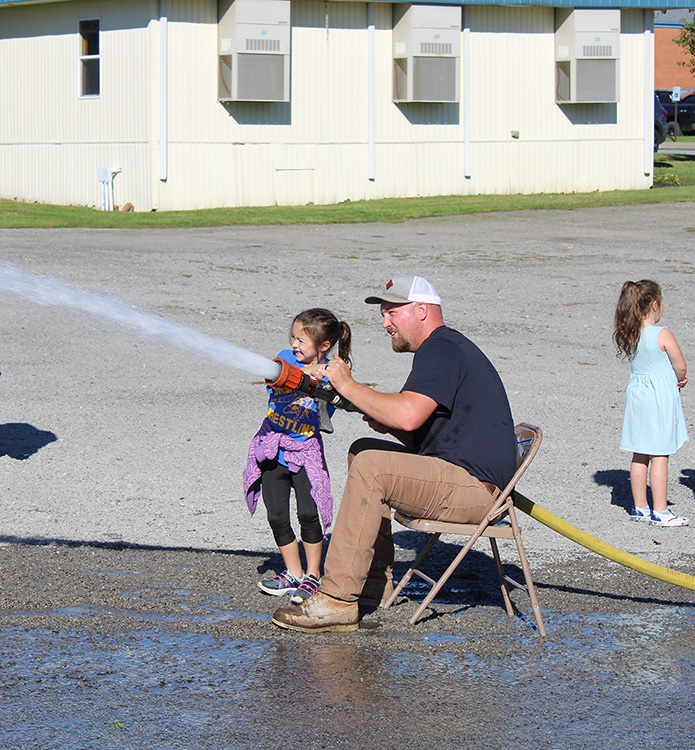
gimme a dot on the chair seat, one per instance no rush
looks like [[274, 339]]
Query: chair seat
[[504, 531]]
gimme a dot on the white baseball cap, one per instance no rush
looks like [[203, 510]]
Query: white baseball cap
[[403, 289]]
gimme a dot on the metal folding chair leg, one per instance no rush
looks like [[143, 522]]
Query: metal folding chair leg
[[528, 440], [530, 588], [413, 570], [442, 580], [502, 578]]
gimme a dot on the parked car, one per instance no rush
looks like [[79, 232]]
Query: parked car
[[686, 112], [663, 95], [660, 123]]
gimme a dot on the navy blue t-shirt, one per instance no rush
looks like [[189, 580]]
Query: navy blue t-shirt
[[472, 424]]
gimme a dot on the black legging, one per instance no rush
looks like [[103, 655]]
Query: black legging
[[276, 482]]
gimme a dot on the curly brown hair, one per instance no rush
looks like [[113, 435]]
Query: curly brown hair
[[636, 297], [322, 325]]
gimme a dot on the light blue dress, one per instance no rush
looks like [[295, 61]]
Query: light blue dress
[[654, 423]]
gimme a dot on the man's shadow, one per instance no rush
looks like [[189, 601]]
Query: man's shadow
[[473, 584], [20, 441]]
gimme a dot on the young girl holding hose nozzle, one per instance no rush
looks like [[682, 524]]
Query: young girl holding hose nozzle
[[287, 453], [654, 425]]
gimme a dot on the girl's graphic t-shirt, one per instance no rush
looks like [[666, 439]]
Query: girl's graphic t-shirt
[[292, 412]]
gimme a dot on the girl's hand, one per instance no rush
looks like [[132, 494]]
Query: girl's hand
[[316, 370], [682, 383]]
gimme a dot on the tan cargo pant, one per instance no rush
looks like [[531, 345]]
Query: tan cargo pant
[[385, 475]]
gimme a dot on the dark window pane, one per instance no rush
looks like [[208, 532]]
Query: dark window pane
[[90, 77], [89, 31]]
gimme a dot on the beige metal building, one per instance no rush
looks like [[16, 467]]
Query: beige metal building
[[181, 104]]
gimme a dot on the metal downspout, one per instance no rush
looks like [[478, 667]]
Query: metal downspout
[[649, 93], [466, 95], [163, 92], [371, 93]]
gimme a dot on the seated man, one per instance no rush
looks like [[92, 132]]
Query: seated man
[[458, 449]]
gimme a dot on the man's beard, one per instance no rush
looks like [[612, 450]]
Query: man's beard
[[399, 344]]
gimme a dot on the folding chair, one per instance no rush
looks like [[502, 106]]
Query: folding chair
[[528, 439]]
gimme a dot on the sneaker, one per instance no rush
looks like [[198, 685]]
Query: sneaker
[[283, 583], [639, 514], [308, 587], [672, 520]]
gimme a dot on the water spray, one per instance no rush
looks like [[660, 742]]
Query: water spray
[[277, 372]]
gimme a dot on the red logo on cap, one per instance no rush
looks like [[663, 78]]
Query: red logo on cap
[[390, 284]]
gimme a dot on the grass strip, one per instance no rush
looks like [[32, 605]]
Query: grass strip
[[676, 172]]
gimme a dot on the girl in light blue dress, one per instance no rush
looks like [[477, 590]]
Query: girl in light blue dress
[[654, 425]]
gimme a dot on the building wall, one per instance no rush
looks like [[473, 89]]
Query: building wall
[[52, 140], [667, 56], [314, 148], [560, 148]]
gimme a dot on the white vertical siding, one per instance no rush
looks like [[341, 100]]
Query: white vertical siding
[[53, 140], [315, 147]]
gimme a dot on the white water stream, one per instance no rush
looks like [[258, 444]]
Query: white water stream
[[45, 291]]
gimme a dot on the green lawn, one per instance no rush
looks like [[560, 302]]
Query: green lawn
[[674, 177], [675, 169]]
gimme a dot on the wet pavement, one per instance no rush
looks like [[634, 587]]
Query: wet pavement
[[106, 646], [129, 616]]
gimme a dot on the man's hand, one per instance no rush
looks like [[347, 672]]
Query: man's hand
[[337, 372]]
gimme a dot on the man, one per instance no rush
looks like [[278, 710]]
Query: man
[[457, 451]]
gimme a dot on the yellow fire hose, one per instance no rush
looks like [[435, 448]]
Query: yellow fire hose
[[601, 548]]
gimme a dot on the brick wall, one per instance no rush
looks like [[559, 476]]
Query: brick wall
[[667, 72]]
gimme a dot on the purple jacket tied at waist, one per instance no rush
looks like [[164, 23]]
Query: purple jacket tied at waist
[[307, 453]]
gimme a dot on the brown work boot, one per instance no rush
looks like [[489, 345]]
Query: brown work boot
[[319, 614], [376, 592]]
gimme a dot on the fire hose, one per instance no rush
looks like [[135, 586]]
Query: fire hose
[[601, 548], [293, 378]]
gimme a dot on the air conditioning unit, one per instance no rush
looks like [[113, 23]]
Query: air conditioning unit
[[587, 55], [253, 50], [426, 53]]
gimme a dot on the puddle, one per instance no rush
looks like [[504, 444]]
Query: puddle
[[71, 688], [160, 659]]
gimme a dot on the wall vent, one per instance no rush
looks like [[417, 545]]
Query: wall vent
[[436, 48], [263, 45], [596, 50]]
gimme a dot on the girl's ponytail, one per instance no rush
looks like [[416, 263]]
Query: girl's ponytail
[[636, 297], [345, 343]]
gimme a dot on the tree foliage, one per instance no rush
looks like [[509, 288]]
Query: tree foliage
[[686, 40]]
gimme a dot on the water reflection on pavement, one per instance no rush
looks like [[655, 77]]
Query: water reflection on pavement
[[607, 681]]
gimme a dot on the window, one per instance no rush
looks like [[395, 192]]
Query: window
[[89, 58]]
